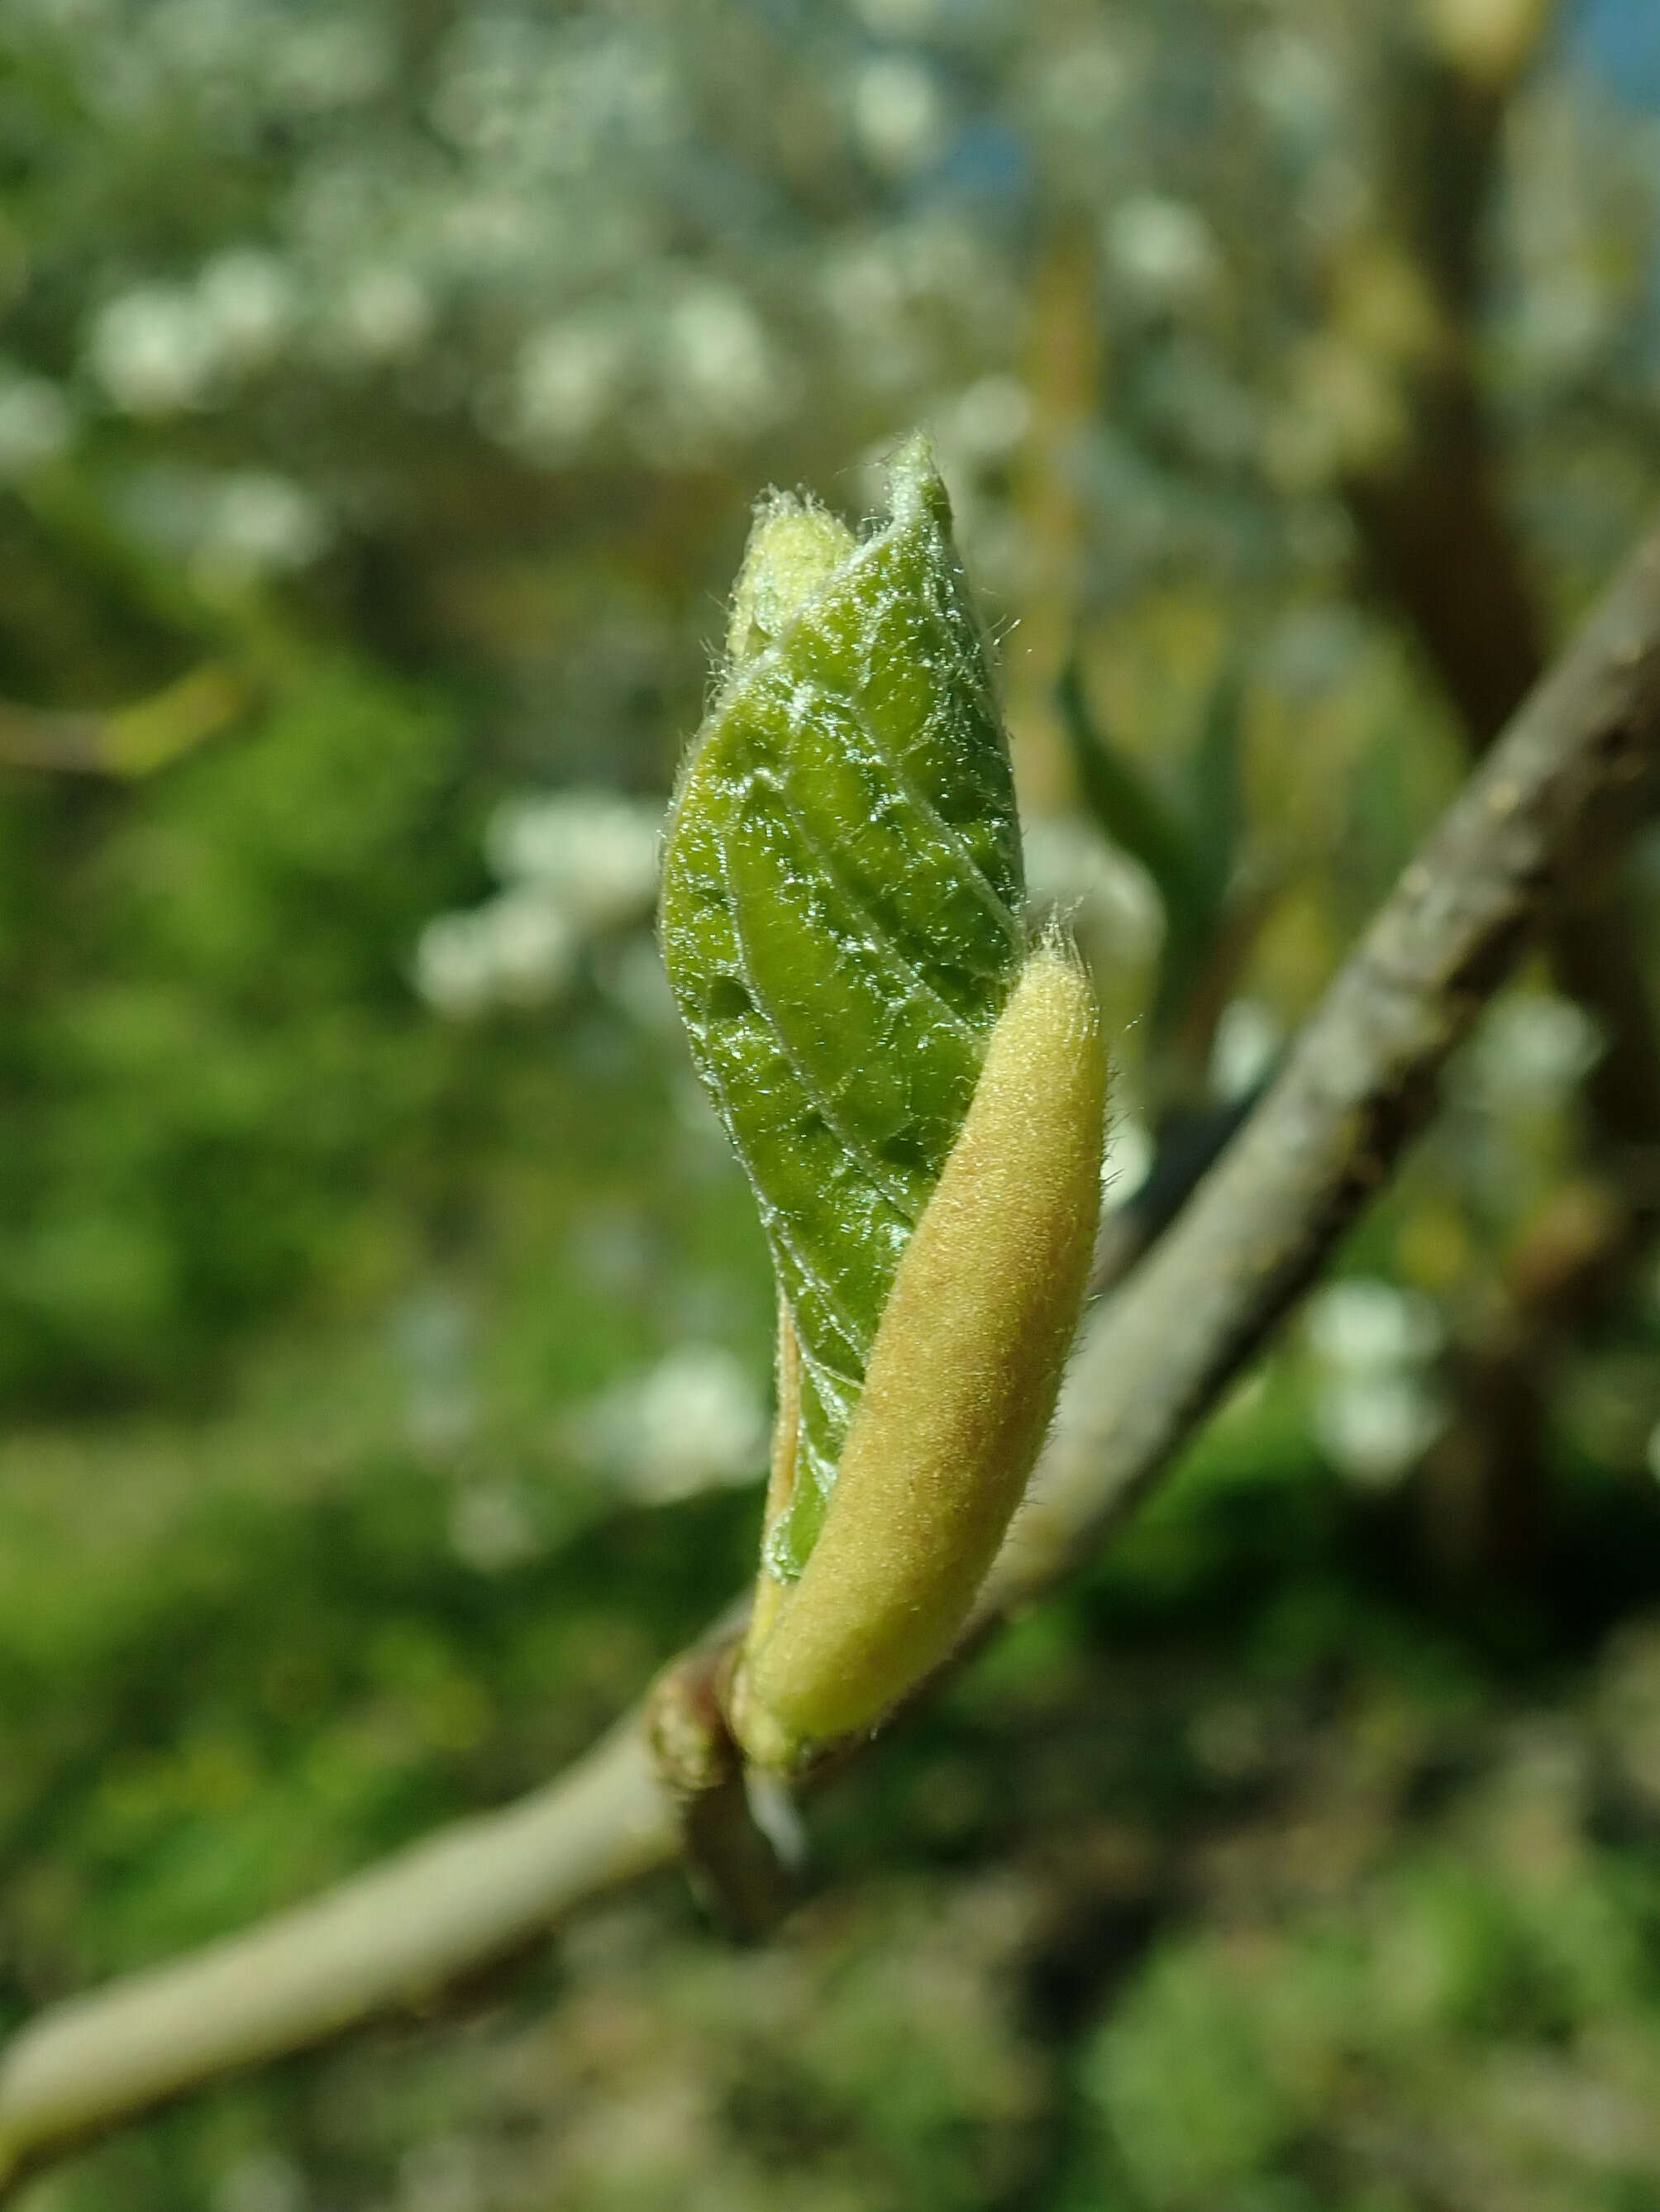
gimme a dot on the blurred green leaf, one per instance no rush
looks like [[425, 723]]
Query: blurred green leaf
[[1216, 801], [1123, 801], [1191, 851]]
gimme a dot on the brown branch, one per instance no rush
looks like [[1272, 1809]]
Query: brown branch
[[1440, 543], [1433, 519], [1578, 770]]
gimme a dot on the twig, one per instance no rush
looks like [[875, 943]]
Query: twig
[[732, 1862], [131, 741], [385, 1941], [1578, 770]]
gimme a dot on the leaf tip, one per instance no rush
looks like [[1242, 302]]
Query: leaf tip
[[795, 546], [916, 490]]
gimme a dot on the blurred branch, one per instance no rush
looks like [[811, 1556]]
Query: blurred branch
[[1574, 774], [1431, 513], [126, 741], [1429, 505], [1063, 374]]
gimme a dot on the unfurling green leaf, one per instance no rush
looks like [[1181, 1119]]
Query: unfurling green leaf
[[1124, 802], [842, 924], [1188, 842], [840, 915]]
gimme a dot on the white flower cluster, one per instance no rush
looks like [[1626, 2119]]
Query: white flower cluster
[[575, 866], [898, 116], [693, 1422], [1127, 1159], [888, 295], [161, 349], [241, 524], [695, 356], [1376, 1407], [1249, 1036]]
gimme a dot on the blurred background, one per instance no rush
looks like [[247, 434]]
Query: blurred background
[[384, 1331]]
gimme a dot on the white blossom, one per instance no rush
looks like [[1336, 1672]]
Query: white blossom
[[898, 112], [1082, 89], [516, 950], [1292, 82], [567, 380], [532, 946], [155, 350], [248, 302], [1531, 1049], [385, 313], [1364, 1324], [335, 61], [261, 522], [694, 1422], [1248, 1037], [36, 423], [1376, 1407], [591, 853], [1072, 872], [578, 866], [1127, 1162], [719, 369], [990, 418], [1161, 249], [1374, 1427]]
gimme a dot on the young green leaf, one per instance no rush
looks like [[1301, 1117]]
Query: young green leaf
[[1189, 848], [841, 918], [1122, 799], [917, 1098]]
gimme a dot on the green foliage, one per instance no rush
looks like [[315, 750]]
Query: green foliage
[[841, 922], [1180, 2081], [1190, 843], [217, 1716], [1436, 2006], [215, 1058]]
